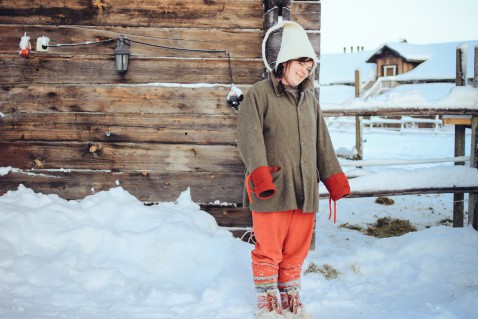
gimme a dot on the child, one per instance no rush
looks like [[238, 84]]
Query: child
[[286, 148]]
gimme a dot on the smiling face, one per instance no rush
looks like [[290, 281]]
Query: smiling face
[[295, 72]]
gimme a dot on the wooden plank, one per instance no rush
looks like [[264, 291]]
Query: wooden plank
[[307, 14], [121, 156], [463, 120], [119, 127], [398, 111], [41, 68], [239, 43], [412, 191], [473, 196], [147, 186], [225, 14], [110, 98]]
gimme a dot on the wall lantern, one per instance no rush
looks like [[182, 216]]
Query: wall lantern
[[122, 55]]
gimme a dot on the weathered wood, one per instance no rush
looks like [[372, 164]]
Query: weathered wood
[[473, 196], [121, 156], [227, 14], [459, 148], [307, 14], [110, 98], [41, 68], [148, 186], [239, 43], [462, 120], [119, 127], [230, 216], [411, 191], [358, 121], [138, 13], [398, 111]]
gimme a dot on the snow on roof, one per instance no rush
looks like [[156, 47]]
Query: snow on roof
[[340, 68], [410, 52], [439, 62]]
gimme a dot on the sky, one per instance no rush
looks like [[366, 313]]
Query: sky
[[370, 23]]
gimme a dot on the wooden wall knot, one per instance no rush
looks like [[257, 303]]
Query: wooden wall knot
[[94, 148], [98, 5], [38, 162]]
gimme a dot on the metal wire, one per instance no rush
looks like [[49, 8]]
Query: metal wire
[[191, 50], [76, 44], [148, 44]]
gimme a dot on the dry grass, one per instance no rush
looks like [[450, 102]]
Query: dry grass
[[326, 270], [385, 227]]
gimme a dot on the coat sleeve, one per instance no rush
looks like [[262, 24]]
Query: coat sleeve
[[250, 137], [327, 162]]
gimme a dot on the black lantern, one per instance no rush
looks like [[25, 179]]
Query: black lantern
[[122, 55]]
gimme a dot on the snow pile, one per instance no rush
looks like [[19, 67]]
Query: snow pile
[[109, 256]]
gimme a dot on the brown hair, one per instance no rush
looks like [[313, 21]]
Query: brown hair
[[281, 68]]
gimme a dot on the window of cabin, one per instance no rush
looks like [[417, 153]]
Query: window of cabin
[[389, 70]]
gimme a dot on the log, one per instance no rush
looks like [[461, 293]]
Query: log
[[147, 186], [119, 127], [239, 43], [135, 13], [398, 111], [307, 14], [110, 98], [226, 14], [74, 69], [118, 157]]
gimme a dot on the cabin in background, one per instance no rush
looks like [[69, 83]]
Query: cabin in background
[[391, 62], [71, 125]]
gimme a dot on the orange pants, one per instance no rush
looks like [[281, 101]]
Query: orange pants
[[282, 244]]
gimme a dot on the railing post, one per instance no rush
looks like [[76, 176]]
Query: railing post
[[358, 121], [460, 80], [473, 197]]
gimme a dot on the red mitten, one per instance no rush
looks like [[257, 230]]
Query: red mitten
[[262, 180], [338, 186]]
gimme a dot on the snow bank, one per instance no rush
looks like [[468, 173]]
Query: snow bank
[[109, 256]]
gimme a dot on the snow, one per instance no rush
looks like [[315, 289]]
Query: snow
[[110, 256], [465, 97]]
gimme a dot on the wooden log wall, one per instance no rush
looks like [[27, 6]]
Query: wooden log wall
[[69, 124]]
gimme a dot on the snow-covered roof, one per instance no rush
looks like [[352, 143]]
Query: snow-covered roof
[[340, 68], [410, 52], [439, 62]]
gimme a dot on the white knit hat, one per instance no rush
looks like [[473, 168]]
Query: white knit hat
[[295, 44]]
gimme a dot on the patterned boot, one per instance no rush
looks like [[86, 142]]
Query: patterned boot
[[268, 305], [293, 307]]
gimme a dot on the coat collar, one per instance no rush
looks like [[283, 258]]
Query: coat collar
[[308, 84]]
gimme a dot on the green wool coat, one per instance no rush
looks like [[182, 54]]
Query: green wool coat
[[275, 128]]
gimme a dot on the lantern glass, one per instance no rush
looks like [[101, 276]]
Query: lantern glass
[[122, 55]]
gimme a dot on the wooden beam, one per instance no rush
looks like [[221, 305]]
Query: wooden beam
[[119, 157], [398, 111], [149, 186], [118, 99], [457, 120], [44, 69], [473, 196], [226, 14], [135, 13], [120, 127], [239, 43]]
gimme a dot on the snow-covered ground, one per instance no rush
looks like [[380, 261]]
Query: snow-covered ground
[[109, 256]]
